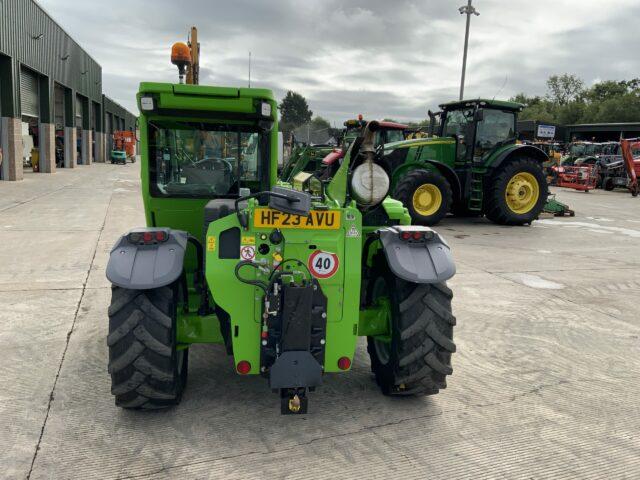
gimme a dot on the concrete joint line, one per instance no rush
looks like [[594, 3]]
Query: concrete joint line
[[66, 346]]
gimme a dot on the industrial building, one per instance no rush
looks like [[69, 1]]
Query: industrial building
[[51, 100]]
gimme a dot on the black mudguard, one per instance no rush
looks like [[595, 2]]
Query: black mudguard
[[425, 261], [141, 267]]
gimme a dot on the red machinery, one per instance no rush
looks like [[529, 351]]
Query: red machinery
[[628, 146], [125, 141], [582, 177]]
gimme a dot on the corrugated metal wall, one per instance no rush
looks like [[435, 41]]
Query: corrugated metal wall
[[29, 37], [32, 38], [122, 118]]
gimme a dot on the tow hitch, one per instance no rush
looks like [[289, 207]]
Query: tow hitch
[[293, 341]]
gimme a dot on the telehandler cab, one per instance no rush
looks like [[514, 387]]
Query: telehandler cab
[[285, 279]]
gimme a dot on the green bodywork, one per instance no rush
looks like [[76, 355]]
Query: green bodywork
[[581, 152], [231, 109], [304, 158], [308, 158]]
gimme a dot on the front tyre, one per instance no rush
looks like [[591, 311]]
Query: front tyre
[[147, 370], [426, 194], [517, 193], [415, 358]]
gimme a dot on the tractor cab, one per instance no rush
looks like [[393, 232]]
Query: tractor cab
[[479, 127], [581, 152]]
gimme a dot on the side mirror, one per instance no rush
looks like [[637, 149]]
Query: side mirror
[[479, 115], [290, 201]]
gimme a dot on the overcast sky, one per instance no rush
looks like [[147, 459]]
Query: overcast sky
[[381, 58]]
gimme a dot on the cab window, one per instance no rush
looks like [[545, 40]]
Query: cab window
[[202, 160], [496, 126], [457, 122]]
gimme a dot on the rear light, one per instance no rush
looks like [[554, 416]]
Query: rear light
[[243, 367], [416, 235], [344, 363], [147, 238]]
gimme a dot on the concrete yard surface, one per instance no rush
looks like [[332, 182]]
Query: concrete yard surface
[[545, 383]]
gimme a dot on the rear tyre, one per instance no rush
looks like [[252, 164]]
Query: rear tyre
[[609, 185], [147, 371], [426, 194], [517, 193], [416, 359]]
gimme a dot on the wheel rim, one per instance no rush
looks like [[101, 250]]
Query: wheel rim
[[427, 199], [522, 193], [382, 347]]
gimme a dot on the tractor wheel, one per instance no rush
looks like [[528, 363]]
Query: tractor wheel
[[147, 371], [416, 358], [517, 193], [609, 185], [426, 194]]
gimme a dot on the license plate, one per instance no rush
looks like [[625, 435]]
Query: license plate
[[316, 220]]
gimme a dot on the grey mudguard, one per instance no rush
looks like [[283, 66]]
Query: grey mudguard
[[141, 267], [424, 261]]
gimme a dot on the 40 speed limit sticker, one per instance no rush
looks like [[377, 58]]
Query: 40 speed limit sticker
[[323, 264]]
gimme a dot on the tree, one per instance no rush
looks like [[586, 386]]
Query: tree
[[526, 100], [319, 124], [569, 102], [605, 90], [294, 111], [543, 111], [564, 88], [624, 108]]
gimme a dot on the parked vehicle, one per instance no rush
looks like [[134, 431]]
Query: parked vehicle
[[287, 280]]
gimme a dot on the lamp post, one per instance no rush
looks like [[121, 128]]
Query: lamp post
[[467, 10]]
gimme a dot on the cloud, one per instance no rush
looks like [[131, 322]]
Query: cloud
[[380, 58]]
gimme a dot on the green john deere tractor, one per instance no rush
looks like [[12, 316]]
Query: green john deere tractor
[[285, 280], [472, 166]]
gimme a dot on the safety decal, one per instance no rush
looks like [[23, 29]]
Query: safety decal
[[248, 240], [211, 244], [247, 252], [353, 232], [323, 264]]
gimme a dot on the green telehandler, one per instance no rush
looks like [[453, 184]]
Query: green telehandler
[[285, 279]]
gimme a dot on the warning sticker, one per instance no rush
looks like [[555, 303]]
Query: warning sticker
[[353, 232], [248, 240], [247, 252], [211, 244], [323, 264]]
